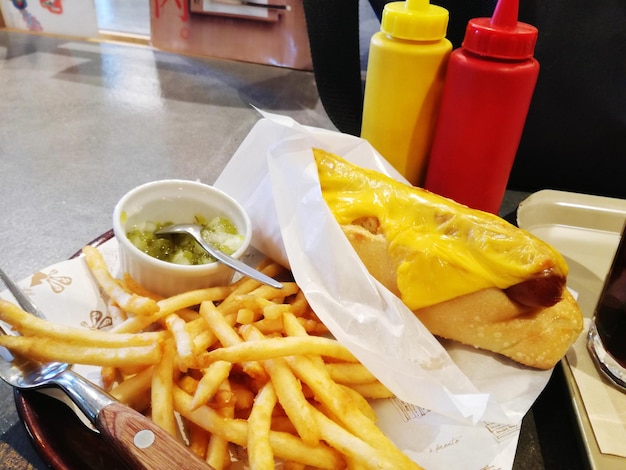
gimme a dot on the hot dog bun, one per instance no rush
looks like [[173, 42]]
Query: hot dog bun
[[488, 318], [467, 275]]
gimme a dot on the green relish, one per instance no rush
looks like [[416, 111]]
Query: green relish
[[179, 248]]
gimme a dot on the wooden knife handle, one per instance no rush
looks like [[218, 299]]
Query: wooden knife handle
[[142, 443]]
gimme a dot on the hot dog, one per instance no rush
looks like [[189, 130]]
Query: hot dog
[[469, 276]]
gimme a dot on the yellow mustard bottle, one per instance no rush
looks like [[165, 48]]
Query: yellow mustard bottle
[[404, 81]]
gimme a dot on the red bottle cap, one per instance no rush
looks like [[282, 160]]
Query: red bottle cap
[[501, 36]]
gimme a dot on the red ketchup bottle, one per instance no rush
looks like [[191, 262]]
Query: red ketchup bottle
[[487, 92]]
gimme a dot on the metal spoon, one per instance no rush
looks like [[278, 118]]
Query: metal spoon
[[133, 436], [195, 231]]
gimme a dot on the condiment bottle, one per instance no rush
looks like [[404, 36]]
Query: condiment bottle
[[488, 88], [404, 81]]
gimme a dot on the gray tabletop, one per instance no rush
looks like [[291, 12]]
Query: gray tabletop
[[82, 123]]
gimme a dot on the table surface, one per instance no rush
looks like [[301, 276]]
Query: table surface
[[84, 122]]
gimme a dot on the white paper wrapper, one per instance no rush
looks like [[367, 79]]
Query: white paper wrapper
[[273, 174]]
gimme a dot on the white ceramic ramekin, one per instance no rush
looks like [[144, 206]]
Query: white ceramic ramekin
[[176, 201]]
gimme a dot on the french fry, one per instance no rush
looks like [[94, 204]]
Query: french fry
[[246, 316], [128, 301], [194, 297], [217, 450], [349, 373], [373, 390], [184, 344], [162, 391], [213, 377], [135, 391], [292, 325], [108, 375], [259, 424], [51, 350], [30, 325], [277, 347]]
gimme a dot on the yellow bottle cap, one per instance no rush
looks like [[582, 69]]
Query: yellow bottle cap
[[415, 20]]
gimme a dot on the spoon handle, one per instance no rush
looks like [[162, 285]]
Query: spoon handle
[[143, 443], [21, 298], [237, 265]]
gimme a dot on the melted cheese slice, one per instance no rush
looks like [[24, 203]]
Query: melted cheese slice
[[442, 249]]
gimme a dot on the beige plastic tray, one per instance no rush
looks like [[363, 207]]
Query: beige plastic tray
[[586, 230]]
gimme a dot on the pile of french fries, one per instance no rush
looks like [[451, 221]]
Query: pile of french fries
[[237, 372]]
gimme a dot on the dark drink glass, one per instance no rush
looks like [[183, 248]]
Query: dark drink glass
[[607, 334]]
